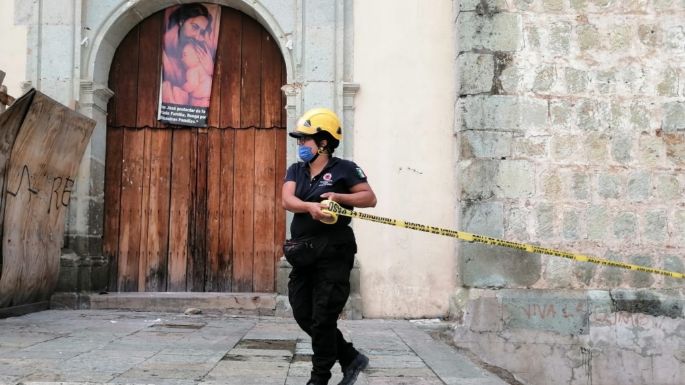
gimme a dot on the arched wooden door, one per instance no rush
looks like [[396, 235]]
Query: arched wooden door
[[190, 209]]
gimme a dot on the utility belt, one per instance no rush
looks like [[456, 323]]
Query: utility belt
[[304, 251]]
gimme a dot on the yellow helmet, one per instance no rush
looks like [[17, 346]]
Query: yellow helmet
[[318, 120]]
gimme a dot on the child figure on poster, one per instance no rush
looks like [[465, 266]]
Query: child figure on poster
[[198, 84]]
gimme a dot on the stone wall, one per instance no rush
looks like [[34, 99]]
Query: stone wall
[[572, 136]]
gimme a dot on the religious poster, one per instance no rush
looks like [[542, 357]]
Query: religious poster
[[191, 33]]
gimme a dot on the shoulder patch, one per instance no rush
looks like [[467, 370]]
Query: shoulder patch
[[360, 173]]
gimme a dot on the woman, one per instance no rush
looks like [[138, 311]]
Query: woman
[[187, 23], [318, 292]]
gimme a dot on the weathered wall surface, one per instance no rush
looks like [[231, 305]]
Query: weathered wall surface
[[569, 337], [13, 48], [572, 136], [404, 63]]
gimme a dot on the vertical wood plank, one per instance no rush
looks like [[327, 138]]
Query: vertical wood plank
[[157, 173], [148, 91], [281, 167], [180, 215], [265, 167], [250, 114], [131, 173], [198, 256], [115, 137], [230, 117], [220, 156]]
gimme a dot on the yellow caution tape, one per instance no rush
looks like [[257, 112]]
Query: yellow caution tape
[[333, 207], [332, 219]]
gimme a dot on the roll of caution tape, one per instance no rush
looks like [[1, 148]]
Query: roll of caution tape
[[332, 219], [336, 208], [333, 215]]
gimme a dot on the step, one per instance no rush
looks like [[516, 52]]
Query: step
[[177, 302]]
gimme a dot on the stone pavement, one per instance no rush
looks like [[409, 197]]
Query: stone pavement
[[116, 347]]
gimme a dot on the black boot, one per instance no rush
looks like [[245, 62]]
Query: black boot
[[351, 371]]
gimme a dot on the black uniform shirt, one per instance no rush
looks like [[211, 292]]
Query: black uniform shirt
[[337, 176]]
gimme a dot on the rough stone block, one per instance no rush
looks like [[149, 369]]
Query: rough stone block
[[499, 32], [598, 222], [484, 315], [515, 179], [544, 79], [668, 187], [534, 147], [638, 278], [560, 38], [655, 225], [486, 144], [588, 37], [516, 225], [576, 80], [483, 7], [673, 263], [477, 73], [551, 185], [652, 151], [580, 185], [512, 79], [621, 37], [609, 185], [612, 276], [647, 34], [669, 84], [597, 148], [640, 116], [584, 272], [639, 185], [564, 312], [679, 226], [621, 148], [674, 117], [570, 227], [485, 218], [564, 147], [480, 176], [485, 266], [503, 113], [625, 226], [553, 5], [561, 111], [544, 215], [675, 148]]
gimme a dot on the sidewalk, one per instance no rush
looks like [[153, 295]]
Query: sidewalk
[[115, 347]]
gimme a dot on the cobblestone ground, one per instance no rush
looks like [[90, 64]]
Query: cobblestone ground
[[117, 347]]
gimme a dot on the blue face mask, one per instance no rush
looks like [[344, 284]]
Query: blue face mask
[[305, 153]]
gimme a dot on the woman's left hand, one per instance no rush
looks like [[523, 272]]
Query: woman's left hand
[[331, 196]]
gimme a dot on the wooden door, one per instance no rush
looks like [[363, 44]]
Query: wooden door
[[196, 209]]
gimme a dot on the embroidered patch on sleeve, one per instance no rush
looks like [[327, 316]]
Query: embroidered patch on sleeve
[[360, 173]]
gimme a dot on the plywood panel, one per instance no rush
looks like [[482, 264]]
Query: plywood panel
[[39, 179]]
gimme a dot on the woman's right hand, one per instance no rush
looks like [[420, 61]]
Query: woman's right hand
[[314, 209]]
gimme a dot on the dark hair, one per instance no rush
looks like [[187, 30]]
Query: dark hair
[[331, 142], [188, 11]]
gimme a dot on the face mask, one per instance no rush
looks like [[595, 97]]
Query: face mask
[[305, 153]]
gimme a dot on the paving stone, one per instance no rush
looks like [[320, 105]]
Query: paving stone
[[114, 347]]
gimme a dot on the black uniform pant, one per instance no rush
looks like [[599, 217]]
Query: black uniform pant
[[317, 294]]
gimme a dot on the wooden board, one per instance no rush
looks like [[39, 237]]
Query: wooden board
[[39, 179]]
